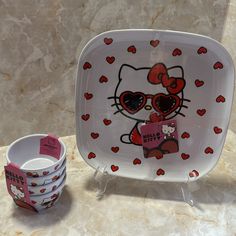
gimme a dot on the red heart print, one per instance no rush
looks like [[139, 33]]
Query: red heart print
[[42, 190], [94, 135], [209, 150], [54, 187], [56, 167], [114, 168], [176, 52], [217, 130], [185, 135], [106, 122], [185, 156], [88, 96], [115, 149], [131, 49], [91, 155], [85, 117], [56, 177], [45, 172], [29, 174], [201, 112], [218, 65], [31, 192], [33, 202], [199, 83], [137, 161], [108, 41], [193, 173], [87, 65], [154, 43], [202, 50], [33, 184], [220, 98], [110, 60], [160, 172], [103, 79], [35, 175]]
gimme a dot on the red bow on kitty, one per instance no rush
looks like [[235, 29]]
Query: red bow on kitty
[[158, 74]]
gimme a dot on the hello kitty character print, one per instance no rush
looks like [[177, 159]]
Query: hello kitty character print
[[18, 192], [168, 130], [142, 105]]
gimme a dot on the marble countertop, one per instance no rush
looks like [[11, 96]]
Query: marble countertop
[[129, 207]]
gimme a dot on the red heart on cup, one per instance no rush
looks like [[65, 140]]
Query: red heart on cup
[[85, 117], [185, 135], [185, 156], [193, 173], [115, 149], [209, 150], [199, 83], [160, 172], [218, 65], [87, 65], [103, 79], [106, 122], [94, 135], [33, 184], [56, 167], [91, 155], [201, 112], [88, 95], [154, 43], [217, 130], [42, 190], [137, 161], [131, 49], [54, 178], [45, 172], [176, 52], [29, 174], [110, 60], [108, 41], [31, 192], [220, 98], [202, 50], [54, 187], [114, 168]]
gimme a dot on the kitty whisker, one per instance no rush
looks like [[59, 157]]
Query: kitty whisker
[[186, 100], [179, 113], [112, 97], [115, 104], [118, 111], [184, 106]]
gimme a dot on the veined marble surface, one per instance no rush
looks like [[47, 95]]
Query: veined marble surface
[[40, 42], [129, 207]]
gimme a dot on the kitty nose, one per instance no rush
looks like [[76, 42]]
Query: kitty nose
[[148, 107]]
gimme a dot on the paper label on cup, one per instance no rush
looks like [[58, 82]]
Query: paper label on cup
[[17, 183], [159, 138], [50, 146]]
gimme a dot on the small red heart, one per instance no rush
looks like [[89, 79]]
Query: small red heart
[[31, 192], [131, 49], [94, 135], [85, 117], [193, 173], [91, 155], [103, 79], [220, 98], [202, 50], [33, 184], [185, 135], [106, 122], [201, 112], [185, 156], [88, 96], [42, 190], [55, 178], [54, 187], [87, 65], [154, 43], [33, 202], [218, 65], [115, 149], [160, 172], [209, 150], [176, 52], [217, 130], [199, 83], [45, 172], [108, 41], [137, 161], [29, 174], [56, 167], [114, 168], [110, 60]]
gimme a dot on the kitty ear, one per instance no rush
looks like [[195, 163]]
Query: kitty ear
[[126, 71]]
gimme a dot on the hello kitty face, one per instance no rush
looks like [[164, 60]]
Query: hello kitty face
[[18, 192], [141, 91], [168, 129]]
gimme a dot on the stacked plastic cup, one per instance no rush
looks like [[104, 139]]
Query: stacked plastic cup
[[45, 174]]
